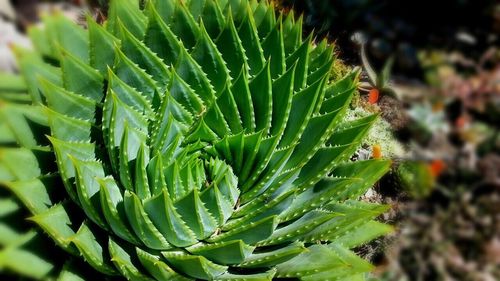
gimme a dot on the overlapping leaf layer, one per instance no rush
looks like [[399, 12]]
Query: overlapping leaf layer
[[187, 140]]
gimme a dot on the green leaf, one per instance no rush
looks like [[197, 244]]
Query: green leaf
[[87, 188], [16, 259], [32, 69], [128, 95], [348, 264], [372, 170], [186, 97], [165, 8], [68, 103], [201, 132], [140, 177], [21, 163], [125, 263], [68, 129], [334, 260], [68, 36], [205, 52], [196, 8], [292, 31], [251, 233], [315, 197], [213, 18], [196, 215], [190, 71], [71, 272], [92, 250], [251, 43], [116, 117], [34, 194], [128, 12], [229, 252], [134, 76], [183, 24], [273, 257], [80, 78], [265, 19], [282, 100], [262, 159], [159, 37], [194, 266], [303, 225], [302, 107], [270, 207], [273, 47], [12, 83], [262, 97], [101, 46], [352, 131], [317, 131], [352, 214], [321, 57], [165, 217], [322, 163], [363, 234], [218, 206], [41, 42], [243, 101], [227, 105], [142, 224], [156, 267], [63, 150], [114, 211], [131, 142], [342, 85], [250, 148], [320, 73], [229, 44], [56, 223], [301, 57], [266, 276], [139, 53]]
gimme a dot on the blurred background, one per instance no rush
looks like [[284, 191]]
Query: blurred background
[[432, 70]]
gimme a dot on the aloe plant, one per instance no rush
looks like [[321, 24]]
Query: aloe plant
[[182, 140]]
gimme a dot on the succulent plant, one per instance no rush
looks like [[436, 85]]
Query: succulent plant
[[183, 140]]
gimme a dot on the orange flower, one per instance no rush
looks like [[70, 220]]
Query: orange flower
[[373, 96], [436, 167], [461, 121], [437, 106], [376, 151]]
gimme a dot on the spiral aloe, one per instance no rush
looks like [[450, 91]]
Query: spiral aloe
[[184, 140]]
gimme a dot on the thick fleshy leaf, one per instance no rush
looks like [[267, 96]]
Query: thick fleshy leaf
[[273, 257], [139, 53], [57, 224], [157, 267], [251, 233], [128, 12], [125, 263], [101, 45], [142, 224], [194, 266], [198, 140], [80, 78], [165, 217], [92, 250], [230, 252], [114, 211]]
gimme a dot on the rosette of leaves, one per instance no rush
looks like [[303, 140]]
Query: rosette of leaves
[[183, 140]]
